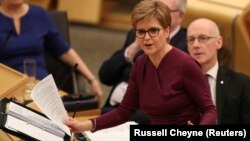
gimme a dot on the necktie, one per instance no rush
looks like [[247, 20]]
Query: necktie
[[210, 87], [207, 78]]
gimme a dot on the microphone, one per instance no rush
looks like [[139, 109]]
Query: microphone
[[78, 101], [68, 76], [75, 96], [5, 41]]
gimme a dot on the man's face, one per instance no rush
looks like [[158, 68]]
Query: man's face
[[176, 14], [202, 43]]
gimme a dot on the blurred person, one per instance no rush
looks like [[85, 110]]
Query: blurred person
[[115, 70], [26, 30], [166, 83], [230, 90]]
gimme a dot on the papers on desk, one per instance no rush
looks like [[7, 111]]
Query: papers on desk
[[117, 133], [29, 124]]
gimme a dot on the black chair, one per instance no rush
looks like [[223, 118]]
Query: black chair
[[65, 78], [61, 72]]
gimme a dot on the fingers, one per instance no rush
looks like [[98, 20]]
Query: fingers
[[68, 121], [189, 123]]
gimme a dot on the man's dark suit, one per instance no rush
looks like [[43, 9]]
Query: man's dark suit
[[116, 69], [232, 97]]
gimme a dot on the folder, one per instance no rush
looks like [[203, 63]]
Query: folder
[[28, 124]]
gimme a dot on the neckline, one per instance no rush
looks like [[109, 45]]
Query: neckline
[[167, 54]]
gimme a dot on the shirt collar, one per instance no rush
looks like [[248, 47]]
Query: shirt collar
[[172, 34], [214, 70]]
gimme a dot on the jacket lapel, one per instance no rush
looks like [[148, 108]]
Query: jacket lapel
[[221, 85]]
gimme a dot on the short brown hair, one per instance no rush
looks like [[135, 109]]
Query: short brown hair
[[146, 9]]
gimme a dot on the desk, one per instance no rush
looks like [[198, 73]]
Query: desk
[[4, 136], [13, 84], [81, 115]]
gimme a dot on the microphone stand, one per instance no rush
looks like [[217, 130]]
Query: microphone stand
[[78, 136], [68, 76], [78, 102]]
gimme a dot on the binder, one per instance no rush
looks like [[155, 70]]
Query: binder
[[28, 128]]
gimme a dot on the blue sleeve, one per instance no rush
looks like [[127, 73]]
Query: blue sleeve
[[54, 41]]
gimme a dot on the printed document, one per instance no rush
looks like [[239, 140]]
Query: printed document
[[46, 96]]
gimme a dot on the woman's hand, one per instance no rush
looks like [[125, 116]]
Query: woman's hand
[[77, 126], [190, 123], [131, 51]]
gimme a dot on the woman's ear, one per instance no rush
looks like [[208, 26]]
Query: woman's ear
[[167, 29]]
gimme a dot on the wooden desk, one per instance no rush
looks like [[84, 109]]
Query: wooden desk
[[81, 115], [4, 136], [12, 82]]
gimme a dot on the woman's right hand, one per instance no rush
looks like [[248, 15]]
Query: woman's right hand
[[77, 126], [190, 123]]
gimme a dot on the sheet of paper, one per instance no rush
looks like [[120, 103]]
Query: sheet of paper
[[28, 129], [117, 133], [45, 94]]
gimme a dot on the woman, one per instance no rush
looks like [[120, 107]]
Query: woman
[[25, 31], [166, 83]]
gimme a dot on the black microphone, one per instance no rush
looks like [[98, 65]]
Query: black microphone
[[74, 96], [68, 76], [74, 102], [5, 41]]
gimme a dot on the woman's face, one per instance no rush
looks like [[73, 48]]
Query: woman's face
[[155, 36]]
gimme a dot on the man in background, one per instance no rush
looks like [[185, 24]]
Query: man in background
[[115, 70], [230, 90]]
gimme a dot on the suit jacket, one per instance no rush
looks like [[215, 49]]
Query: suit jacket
[[116, 69], [232, 97]]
